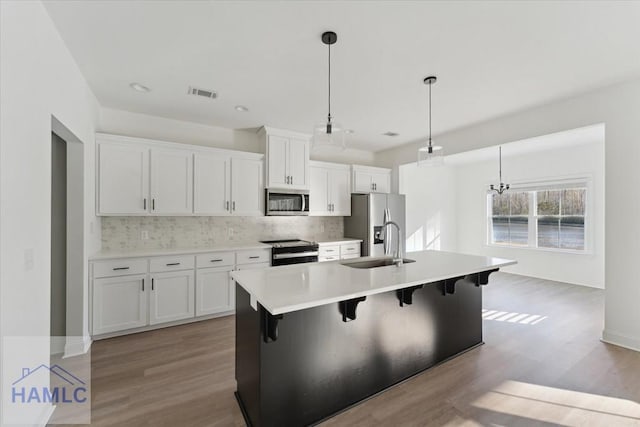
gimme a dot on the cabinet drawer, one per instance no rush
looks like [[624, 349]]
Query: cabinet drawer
[[326, 258], [215, 259], [351, 256], [119, 267], [350, 249], [251, 257], [330, 250], [172, 263]]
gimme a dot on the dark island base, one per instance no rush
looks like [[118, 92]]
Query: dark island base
[[305, 366]]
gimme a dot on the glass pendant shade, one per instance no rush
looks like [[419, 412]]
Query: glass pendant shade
[[430, 155], [328, 136]]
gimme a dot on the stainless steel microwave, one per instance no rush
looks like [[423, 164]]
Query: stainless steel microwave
[[286, 202]]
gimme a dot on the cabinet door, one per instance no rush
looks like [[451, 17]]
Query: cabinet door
[[123, 179], [119, 303], [362, 182], [277, 157], [319, 191], [340, 193], [172, 296], [298, 163], [211, 184], [247, 187], [382, 182], [215, 292], [171, 182]]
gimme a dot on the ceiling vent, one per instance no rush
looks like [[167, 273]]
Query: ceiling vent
[[391, 133], [202, 92]]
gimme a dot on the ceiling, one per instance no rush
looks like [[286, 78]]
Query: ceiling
[[491, 59], [593, 134]]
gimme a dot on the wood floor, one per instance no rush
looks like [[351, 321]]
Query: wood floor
[[532, 371]]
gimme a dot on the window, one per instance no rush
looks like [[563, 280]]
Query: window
[[510, 218], [546, 217]]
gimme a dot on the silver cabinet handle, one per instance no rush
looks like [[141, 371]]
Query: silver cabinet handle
[[329, 250], [152, 284], [216, 260], [254, 257], [227, 205], [144, 203], [153, 204], [143, 284], [172, 264], [120, 268], [329, 207], [333, 207], [233, 205]]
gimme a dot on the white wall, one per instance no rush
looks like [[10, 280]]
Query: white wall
[[617, 107], [473, 180], [431, 207], [127, 123], [38, 79]]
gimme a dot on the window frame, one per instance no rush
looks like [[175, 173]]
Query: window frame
[[532, 187]]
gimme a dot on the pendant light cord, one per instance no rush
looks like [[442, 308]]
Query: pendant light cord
[[430, 113], [329, 117], [500, 150]]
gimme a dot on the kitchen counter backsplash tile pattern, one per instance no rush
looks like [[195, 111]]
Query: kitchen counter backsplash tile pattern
[[125, 233]]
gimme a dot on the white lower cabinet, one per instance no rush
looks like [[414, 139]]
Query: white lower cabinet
[[215, 290], [139, 293], [172, 296], [333, 251], [119, 303]]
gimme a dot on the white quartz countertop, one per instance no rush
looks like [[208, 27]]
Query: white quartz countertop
[[228, 246], [338, 241], [297, 287]]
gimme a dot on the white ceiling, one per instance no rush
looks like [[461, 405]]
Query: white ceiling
[[491, 58], [582, 136]]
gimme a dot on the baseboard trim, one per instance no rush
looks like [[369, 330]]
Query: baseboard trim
[[77, 346], [632, 343]]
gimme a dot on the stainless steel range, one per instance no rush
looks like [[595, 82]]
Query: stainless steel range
[[292, 251]]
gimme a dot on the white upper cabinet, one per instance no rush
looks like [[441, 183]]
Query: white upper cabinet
[[330, 193], [211, 184], [368, 179], [277, 154], [144, 177], [319, 192], [171, 182], [123, 179], [247, 187], [287, 161], [340, 192]]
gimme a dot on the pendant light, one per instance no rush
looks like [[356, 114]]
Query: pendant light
[[429, 154], [502, 187], [328, 135]]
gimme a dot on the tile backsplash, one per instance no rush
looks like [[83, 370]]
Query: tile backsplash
[[125, 233]]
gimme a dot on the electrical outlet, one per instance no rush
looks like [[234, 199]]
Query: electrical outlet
[[144, 235], [230, 232]]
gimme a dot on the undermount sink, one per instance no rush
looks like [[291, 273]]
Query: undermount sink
[[374, 263]]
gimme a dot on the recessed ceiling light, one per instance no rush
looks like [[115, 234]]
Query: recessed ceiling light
[[241, 108], [390, 133], [349, 131], [139, 87]]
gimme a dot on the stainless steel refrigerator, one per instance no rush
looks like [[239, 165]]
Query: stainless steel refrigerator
[[368, 213]]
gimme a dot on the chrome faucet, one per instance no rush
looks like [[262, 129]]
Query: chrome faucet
[[398, 256]]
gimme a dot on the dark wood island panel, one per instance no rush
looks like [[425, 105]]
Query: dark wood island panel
[[301, 367]]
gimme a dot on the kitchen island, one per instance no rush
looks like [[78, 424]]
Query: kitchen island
[[314, 339]]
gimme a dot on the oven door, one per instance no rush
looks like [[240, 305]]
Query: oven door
[[286, 202], [294, 255]]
